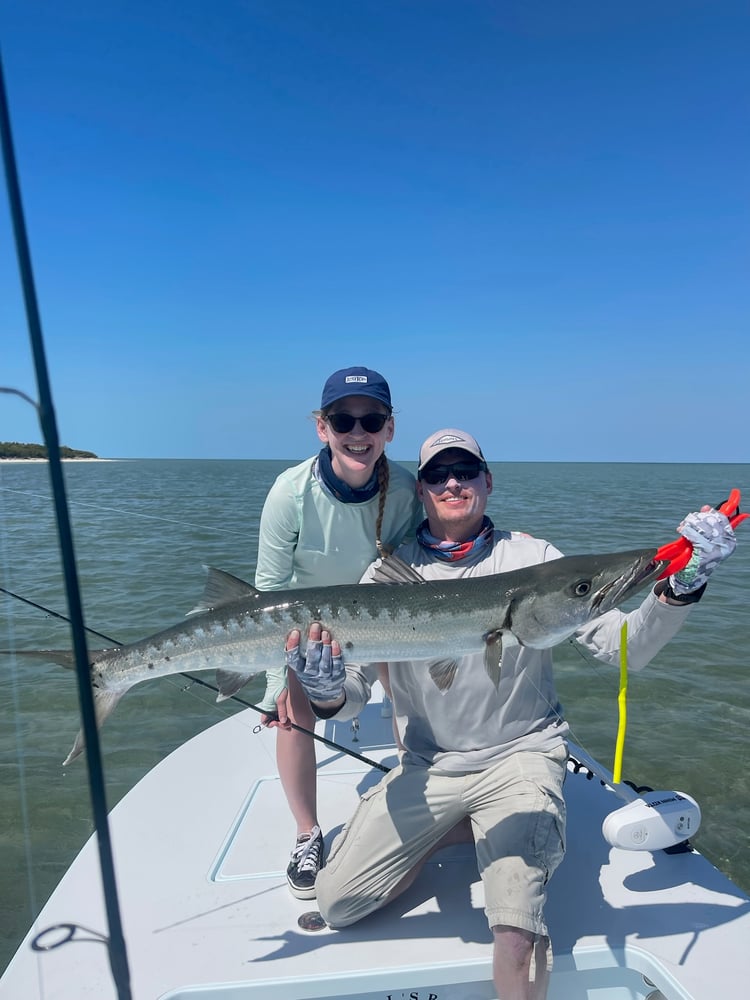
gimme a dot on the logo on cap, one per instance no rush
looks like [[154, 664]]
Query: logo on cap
[[446, 439], [356, 378]]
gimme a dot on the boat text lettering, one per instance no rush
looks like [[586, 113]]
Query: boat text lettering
[[414, 995]]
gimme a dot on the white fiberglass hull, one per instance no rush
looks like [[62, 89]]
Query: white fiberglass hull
[[200, 849]]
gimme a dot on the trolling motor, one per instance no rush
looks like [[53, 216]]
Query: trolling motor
[[652, 821], [649, 821]]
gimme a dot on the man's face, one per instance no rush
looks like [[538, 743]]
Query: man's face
[[454, 507]]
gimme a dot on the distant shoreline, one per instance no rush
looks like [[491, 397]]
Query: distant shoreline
[[27, 461]]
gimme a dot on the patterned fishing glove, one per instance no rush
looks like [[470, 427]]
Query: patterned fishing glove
[[713, 541], [275, 684], [320, 673]]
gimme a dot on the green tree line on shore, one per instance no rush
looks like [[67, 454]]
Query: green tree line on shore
[[15, 449]]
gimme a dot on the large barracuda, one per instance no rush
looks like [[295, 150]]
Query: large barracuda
[[238, 630]]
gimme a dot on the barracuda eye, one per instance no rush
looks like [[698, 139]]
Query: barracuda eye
[[582, 588]]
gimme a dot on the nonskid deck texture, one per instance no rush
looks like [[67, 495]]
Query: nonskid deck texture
[[201, 846]]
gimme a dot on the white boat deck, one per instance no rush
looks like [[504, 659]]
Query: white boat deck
[[201, 846]]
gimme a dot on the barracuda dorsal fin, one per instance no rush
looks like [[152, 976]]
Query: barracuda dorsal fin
[[391, 569], [222, 588], [493, 654]]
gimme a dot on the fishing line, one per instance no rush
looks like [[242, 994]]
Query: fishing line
[[116, 948], [115, 510], [590, 662], [589, 763], [331, 744]]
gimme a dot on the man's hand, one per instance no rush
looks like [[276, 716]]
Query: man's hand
[[321, 670], [713, 541]]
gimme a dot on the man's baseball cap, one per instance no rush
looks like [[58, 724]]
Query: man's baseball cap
[[448, 438]]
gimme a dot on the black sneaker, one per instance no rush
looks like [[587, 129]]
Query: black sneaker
[[304, 865]]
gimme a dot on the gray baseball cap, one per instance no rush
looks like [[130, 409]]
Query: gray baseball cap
[[445, 439]]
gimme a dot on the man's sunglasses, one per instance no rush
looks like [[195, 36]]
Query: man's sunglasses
[[342, 423], [462, 471]]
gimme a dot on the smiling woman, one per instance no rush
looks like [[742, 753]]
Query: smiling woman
[[356, 437], [323, 523]]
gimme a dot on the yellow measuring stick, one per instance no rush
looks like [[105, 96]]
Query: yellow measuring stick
[[622, 704]]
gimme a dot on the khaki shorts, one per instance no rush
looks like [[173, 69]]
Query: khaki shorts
[[517, 812]]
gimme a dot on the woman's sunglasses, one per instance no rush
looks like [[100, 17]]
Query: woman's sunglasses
[[462, 471], [342, 423]]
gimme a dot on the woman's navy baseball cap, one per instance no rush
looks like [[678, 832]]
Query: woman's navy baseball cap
[[355, 382]]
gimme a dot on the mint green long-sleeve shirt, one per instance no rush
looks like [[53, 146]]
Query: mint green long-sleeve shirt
[[309, 538]]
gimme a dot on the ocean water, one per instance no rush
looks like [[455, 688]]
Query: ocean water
[[143, 531]]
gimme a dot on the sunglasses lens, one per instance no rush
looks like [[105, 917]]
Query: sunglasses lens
[[371, 423], [342, 423], [462, 471]]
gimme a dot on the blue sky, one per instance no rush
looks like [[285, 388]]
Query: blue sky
[[531, 216]]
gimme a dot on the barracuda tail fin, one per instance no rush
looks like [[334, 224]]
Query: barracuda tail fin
[[105, 703]]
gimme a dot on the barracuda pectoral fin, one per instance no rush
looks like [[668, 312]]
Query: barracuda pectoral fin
[[493, 654], [391, 569], [229, 682], [443, 673], [105, 702], [222, 588]]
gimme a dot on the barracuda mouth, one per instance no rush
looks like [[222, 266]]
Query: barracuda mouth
[[641, 573], [652, 570]]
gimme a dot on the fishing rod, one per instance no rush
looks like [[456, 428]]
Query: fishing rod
[[331, 744], [116, 948]]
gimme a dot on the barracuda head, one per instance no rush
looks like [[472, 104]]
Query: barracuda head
[[568, 593]]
